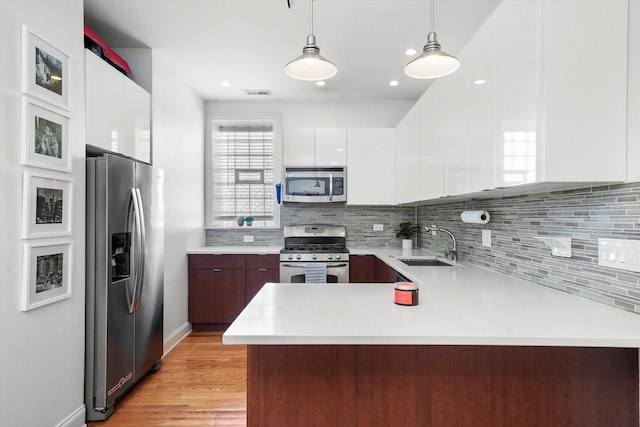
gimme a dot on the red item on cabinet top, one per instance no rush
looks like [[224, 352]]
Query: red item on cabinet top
[[94, 43]]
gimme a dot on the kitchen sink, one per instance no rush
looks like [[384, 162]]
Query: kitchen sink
[[432, 262]]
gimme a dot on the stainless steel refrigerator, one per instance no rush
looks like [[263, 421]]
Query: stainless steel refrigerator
[[124, 294]]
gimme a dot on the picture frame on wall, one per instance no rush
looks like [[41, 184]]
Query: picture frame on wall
[[47, 205], [46, 136], [46, 273], [45, 70]]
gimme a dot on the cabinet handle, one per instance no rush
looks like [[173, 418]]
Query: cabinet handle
[[217, 269], [262, 269]]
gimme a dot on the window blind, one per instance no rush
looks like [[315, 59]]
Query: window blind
[[243, 174]]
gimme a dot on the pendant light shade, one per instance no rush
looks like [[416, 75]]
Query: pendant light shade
[[432, 62], [311, 66]]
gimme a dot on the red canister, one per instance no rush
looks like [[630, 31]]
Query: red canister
[[406, 293]]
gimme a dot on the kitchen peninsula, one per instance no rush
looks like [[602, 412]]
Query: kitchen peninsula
[[481, 348]]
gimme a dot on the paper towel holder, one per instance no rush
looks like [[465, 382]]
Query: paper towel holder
[[560, 246], [475, 217]]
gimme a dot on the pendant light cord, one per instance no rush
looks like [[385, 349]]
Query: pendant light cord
[[310, 16], [433, 25]]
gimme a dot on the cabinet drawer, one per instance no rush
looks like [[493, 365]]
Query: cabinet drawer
[[228, 262], [263, 261]]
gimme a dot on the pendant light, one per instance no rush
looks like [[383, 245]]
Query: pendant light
[[311, 66], [432, 62]]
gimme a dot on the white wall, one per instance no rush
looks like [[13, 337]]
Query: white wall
[[340, 114], [41, 351], [178, 148]]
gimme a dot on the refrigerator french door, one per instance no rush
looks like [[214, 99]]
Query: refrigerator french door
[[125, 249]]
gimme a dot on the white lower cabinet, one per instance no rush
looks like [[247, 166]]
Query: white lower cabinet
[[371, 166], [118, 111]]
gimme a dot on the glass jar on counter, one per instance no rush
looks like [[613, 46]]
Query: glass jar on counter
[[406, 293]]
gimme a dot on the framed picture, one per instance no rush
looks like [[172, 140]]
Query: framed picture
[[45, 70], [46, 140], [46, 206], [46, 273]]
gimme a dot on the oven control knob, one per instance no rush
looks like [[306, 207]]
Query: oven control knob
[[314, 257], [290, 257], [337, 256], [297, 256], [329, 256]]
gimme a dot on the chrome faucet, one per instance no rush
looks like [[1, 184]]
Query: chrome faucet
[[452, 254]]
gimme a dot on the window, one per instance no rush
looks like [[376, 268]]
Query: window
[[242, 169]]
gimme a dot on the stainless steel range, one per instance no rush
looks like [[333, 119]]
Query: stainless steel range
[[314, 253]]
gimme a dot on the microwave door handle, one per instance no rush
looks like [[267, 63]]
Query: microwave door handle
[[331, 187]]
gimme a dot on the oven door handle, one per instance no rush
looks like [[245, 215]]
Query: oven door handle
[[302, 266]]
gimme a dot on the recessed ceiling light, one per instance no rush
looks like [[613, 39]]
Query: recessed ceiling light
[[479, 82], [410, 52], [225, 84], [321, 83], [394, 83]]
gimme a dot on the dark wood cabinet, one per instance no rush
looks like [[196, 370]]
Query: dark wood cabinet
[[215, 295], [370, 269], [260, 269], [220, 286], [361, 268], [383, 273]]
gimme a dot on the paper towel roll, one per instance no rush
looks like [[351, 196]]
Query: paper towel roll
[[475, 217]]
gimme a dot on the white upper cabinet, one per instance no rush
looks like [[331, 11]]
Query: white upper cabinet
[[371, 166], [331, 147], [583, 90], [479, 76], [118, 111], [516, 60], [633, 113], [298, 148], [314, 147], [410, 172], [539, 99]]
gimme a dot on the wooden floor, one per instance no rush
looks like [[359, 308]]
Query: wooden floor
[[201, 383]]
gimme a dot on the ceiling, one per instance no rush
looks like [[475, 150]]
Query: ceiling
[[248, 42]]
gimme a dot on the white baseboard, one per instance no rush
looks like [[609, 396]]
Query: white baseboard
[[176, 336], [76, 419]]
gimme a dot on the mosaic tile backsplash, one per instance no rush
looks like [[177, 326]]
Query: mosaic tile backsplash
[[584, 215], [358, 220]]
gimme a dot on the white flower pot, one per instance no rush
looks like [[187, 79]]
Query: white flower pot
[[407, 244]]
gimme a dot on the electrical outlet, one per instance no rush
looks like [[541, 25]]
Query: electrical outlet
[[486, 238], [378, 227], [619, 253], [248, 239]]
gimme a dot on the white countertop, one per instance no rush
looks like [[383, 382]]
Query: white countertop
[[245, 249], [461, 305]]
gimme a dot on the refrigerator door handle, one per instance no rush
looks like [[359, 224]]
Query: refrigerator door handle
[[137, 249], [142, 251]]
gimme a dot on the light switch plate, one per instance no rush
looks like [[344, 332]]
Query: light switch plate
[[620, 254], [248, 239], [486, 238], [378, 227]]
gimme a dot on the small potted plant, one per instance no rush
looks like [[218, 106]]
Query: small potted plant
[[406, 231], [240, 221], [248, 220]]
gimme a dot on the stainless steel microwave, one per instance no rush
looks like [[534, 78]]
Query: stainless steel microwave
[[315, 184]]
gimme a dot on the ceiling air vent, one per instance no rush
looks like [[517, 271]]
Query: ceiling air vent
[[262, 92]]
